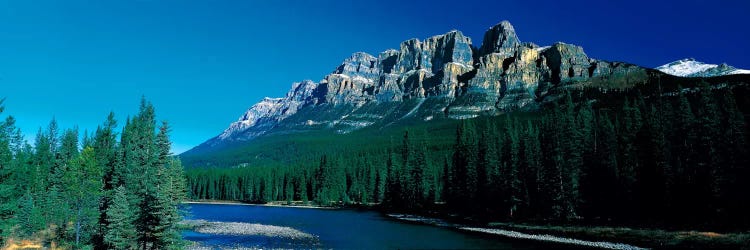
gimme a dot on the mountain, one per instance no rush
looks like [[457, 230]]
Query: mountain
[[441, 77], [689, 67]]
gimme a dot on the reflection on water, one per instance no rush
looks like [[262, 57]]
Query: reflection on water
[[285, 227]]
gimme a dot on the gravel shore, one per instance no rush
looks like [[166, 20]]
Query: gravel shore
[[515, 234], [240, 228]]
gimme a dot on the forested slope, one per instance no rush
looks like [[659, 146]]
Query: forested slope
[[669, 152]]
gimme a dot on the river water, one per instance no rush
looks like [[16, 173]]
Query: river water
[[289, 227]]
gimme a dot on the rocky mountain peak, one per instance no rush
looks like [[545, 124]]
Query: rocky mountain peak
[[500, 38], [434, 52], [442, 72]]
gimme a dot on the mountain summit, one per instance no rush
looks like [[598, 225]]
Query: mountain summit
[[689, 67], [441, 77]]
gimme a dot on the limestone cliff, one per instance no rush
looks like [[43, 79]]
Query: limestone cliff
[[444, 76]]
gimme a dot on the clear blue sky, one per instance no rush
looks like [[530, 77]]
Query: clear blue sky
[[204, 63]]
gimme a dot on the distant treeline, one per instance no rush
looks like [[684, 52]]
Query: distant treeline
[[669, 159], [100, 193]]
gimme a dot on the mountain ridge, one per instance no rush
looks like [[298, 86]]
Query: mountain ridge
[[447, 75]]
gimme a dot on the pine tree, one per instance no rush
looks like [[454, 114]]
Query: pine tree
[[447, 181], [464, 179], [393, 183], [652, 184], [406, 178], [533, 164], [121, 233], [485, 163], [28, 217], [586, 124], [83, 183], [684, 138], [106, 153], [573, 147], [708, 157], [8, 196], [552, 171], [607, 171], [420, 186], [728, 185]]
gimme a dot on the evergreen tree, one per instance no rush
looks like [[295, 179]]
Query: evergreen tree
[[29, 219], [728, 185], [121, 233], [393, 183], [420, 187], [8, 196], [532, 161], [169, 193], [83, 183], [486, 162], [552, 202], [104, 145], [707, 159], [685, 138]]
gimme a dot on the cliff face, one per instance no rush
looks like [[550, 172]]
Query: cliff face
[[444, 76]]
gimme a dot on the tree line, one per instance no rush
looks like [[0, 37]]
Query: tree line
[[94, 193], [673, 159]]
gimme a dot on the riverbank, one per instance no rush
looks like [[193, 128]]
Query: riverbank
[[590, 236], [597, 236], [652, 238], [515, 234], [270, 204]]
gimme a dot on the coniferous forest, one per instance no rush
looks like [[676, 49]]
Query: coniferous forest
[[374, 125], [112, 189], [674, 159]]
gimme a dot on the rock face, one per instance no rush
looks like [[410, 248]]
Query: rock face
[[265, 113], [444, 76], [500, 38]]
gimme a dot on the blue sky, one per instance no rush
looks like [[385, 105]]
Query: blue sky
[[203, 63]]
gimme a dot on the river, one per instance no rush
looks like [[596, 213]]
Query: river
[[290, 227]]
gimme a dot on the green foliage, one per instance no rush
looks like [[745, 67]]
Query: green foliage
[[628, 158], [63, 194], [83, 185], [28, 216], [120, 230]]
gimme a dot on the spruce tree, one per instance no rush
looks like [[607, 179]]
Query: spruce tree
[[731, 175], [28, 217], [420, 186], [121, 232], [533, 164], [685, 165], [8, 198], [607, 174], [83, 184], [104, 145], [485, 164]]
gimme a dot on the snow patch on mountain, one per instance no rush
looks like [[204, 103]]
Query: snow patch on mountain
[[691, 68]]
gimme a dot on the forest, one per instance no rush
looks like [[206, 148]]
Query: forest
[[108, 190], [669, 159]]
